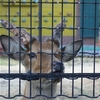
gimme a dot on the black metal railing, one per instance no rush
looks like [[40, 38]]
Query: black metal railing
[[8, 77]]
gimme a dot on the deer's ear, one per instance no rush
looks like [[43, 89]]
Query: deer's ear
[[11, 47], [71, 50]]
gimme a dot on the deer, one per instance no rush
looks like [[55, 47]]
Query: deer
[[39, 54]]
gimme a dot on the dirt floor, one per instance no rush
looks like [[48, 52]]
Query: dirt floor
[[69, 87]]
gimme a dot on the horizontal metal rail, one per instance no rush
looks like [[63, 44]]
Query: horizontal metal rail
[[36, 76]]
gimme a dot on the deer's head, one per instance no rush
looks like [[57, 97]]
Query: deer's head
[[34, 55]]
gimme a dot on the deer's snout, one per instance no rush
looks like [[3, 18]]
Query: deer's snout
[[58, 67]]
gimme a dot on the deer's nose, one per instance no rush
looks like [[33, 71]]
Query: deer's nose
[[58, 66]]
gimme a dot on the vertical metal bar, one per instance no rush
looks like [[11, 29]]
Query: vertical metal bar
[[52, 45], [95, 15], [40, 21], [82, 28], [9, 48], [40, 37], [19, 13], [30, 44], [73, 45], [62, 7]]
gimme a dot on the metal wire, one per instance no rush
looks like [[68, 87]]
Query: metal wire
[[38, 76]]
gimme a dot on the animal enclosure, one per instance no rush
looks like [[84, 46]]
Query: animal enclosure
[[65, 51]]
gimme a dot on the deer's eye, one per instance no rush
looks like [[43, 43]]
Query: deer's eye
[[32, 55]]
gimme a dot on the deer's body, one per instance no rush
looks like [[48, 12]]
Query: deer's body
[[39, 57], [45, 90], [47, 87]]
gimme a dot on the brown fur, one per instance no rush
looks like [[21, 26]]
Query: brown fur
[[46, 68], [33, 87], [41, 61]]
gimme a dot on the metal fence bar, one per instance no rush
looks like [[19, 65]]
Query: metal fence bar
[[82, 48], [9, 50], [94, 49], [40, 38], [70, 76], [62, 14], [29, 76], [52, 46], [19, 63], [36, 76]]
